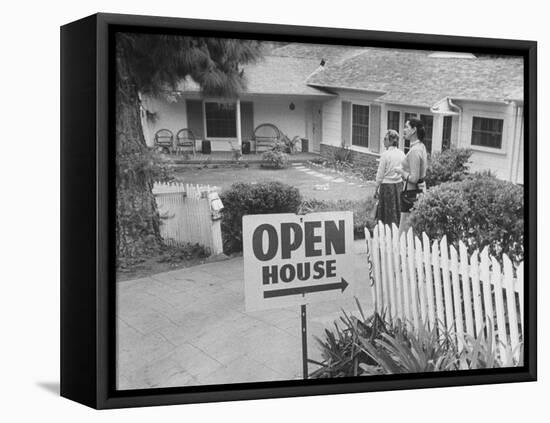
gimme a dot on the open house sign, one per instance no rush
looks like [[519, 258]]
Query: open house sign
[[297, 259]]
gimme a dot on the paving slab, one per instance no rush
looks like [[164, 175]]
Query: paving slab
[[189, 327]]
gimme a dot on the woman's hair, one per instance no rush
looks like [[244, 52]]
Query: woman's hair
[[393, 137], [419, 126]]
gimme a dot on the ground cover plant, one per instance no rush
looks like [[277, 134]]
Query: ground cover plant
[[363, 346]]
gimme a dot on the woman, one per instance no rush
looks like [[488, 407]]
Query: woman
[[388, 181], [413, 169]]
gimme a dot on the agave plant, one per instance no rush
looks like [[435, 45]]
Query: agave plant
[[340, 349], [482, 353], [403, 351]]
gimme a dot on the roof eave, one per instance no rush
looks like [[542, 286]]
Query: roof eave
[[485, 101], [336, 87], [260, 94], [400, 103]]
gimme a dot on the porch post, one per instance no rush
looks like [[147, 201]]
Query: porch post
[[437, 135], [383, 124], [239, 137], [401, 126]]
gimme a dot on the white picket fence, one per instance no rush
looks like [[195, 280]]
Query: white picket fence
[[420, 281], [186, 215]]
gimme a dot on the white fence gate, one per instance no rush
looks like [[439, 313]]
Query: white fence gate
[[420, 281], [186, 215]]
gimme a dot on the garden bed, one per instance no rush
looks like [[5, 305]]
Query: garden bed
[[172, 258], [349, 170]]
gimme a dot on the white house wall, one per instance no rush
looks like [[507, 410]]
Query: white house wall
[[173, 116], [169, 115], [332, 114], [498, 161], [332, 122], [277, 112]]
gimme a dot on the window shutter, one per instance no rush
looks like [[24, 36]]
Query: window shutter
[[346, 122], [195, 120], [247, 120], [374, 136]]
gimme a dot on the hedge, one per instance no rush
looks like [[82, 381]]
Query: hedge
[[481, 211], [246, 198]]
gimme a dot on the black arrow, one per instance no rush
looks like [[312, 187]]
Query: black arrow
[[306, 289]]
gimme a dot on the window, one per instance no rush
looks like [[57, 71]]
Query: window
[[360, 125], [393, 121], [487, 132], [447, 130], [221, 120], [428, 121]]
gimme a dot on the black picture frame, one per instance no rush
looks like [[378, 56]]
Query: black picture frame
[[87, 212]]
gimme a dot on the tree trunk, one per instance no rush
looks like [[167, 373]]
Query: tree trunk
[[137, 217]]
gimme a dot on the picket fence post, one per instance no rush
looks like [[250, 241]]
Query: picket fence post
[[423, 281], [186, 216]]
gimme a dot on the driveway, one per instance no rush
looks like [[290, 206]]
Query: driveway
[[188, 327]]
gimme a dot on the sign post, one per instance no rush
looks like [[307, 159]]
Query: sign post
[[304, 341], [292, 260]]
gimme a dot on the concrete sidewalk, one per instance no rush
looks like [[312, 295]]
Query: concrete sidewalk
[[189, 327]]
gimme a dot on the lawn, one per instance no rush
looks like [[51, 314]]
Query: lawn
[[224, 176]]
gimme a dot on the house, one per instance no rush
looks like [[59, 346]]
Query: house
[[335, 95]]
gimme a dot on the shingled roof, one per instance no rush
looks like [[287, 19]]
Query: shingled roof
[[276, 75], [328, 52], [412, 77]]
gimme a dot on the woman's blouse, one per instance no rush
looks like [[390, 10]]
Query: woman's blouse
[[389, 160], [416, 163]]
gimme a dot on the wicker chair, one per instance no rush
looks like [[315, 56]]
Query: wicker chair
[[164, 140], [266, 136], [185, 139]]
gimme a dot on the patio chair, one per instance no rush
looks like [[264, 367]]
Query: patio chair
[[266, 136], [185, 139], [164, 140]]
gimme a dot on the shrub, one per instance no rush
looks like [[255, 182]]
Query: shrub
[[275, 159], [360, 208], [448, 166], [342, 154], [481, 211], [262, 198]]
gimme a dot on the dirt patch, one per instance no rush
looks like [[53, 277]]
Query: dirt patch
[[172, 259]]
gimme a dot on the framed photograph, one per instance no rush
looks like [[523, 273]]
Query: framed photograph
[[257, 211]]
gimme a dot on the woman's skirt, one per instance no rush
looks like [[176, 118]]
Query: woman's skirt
[[389, 207]]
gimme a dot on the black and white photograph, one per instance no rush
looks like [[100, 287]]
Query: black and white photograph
[[268, 212], [289, 211]]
